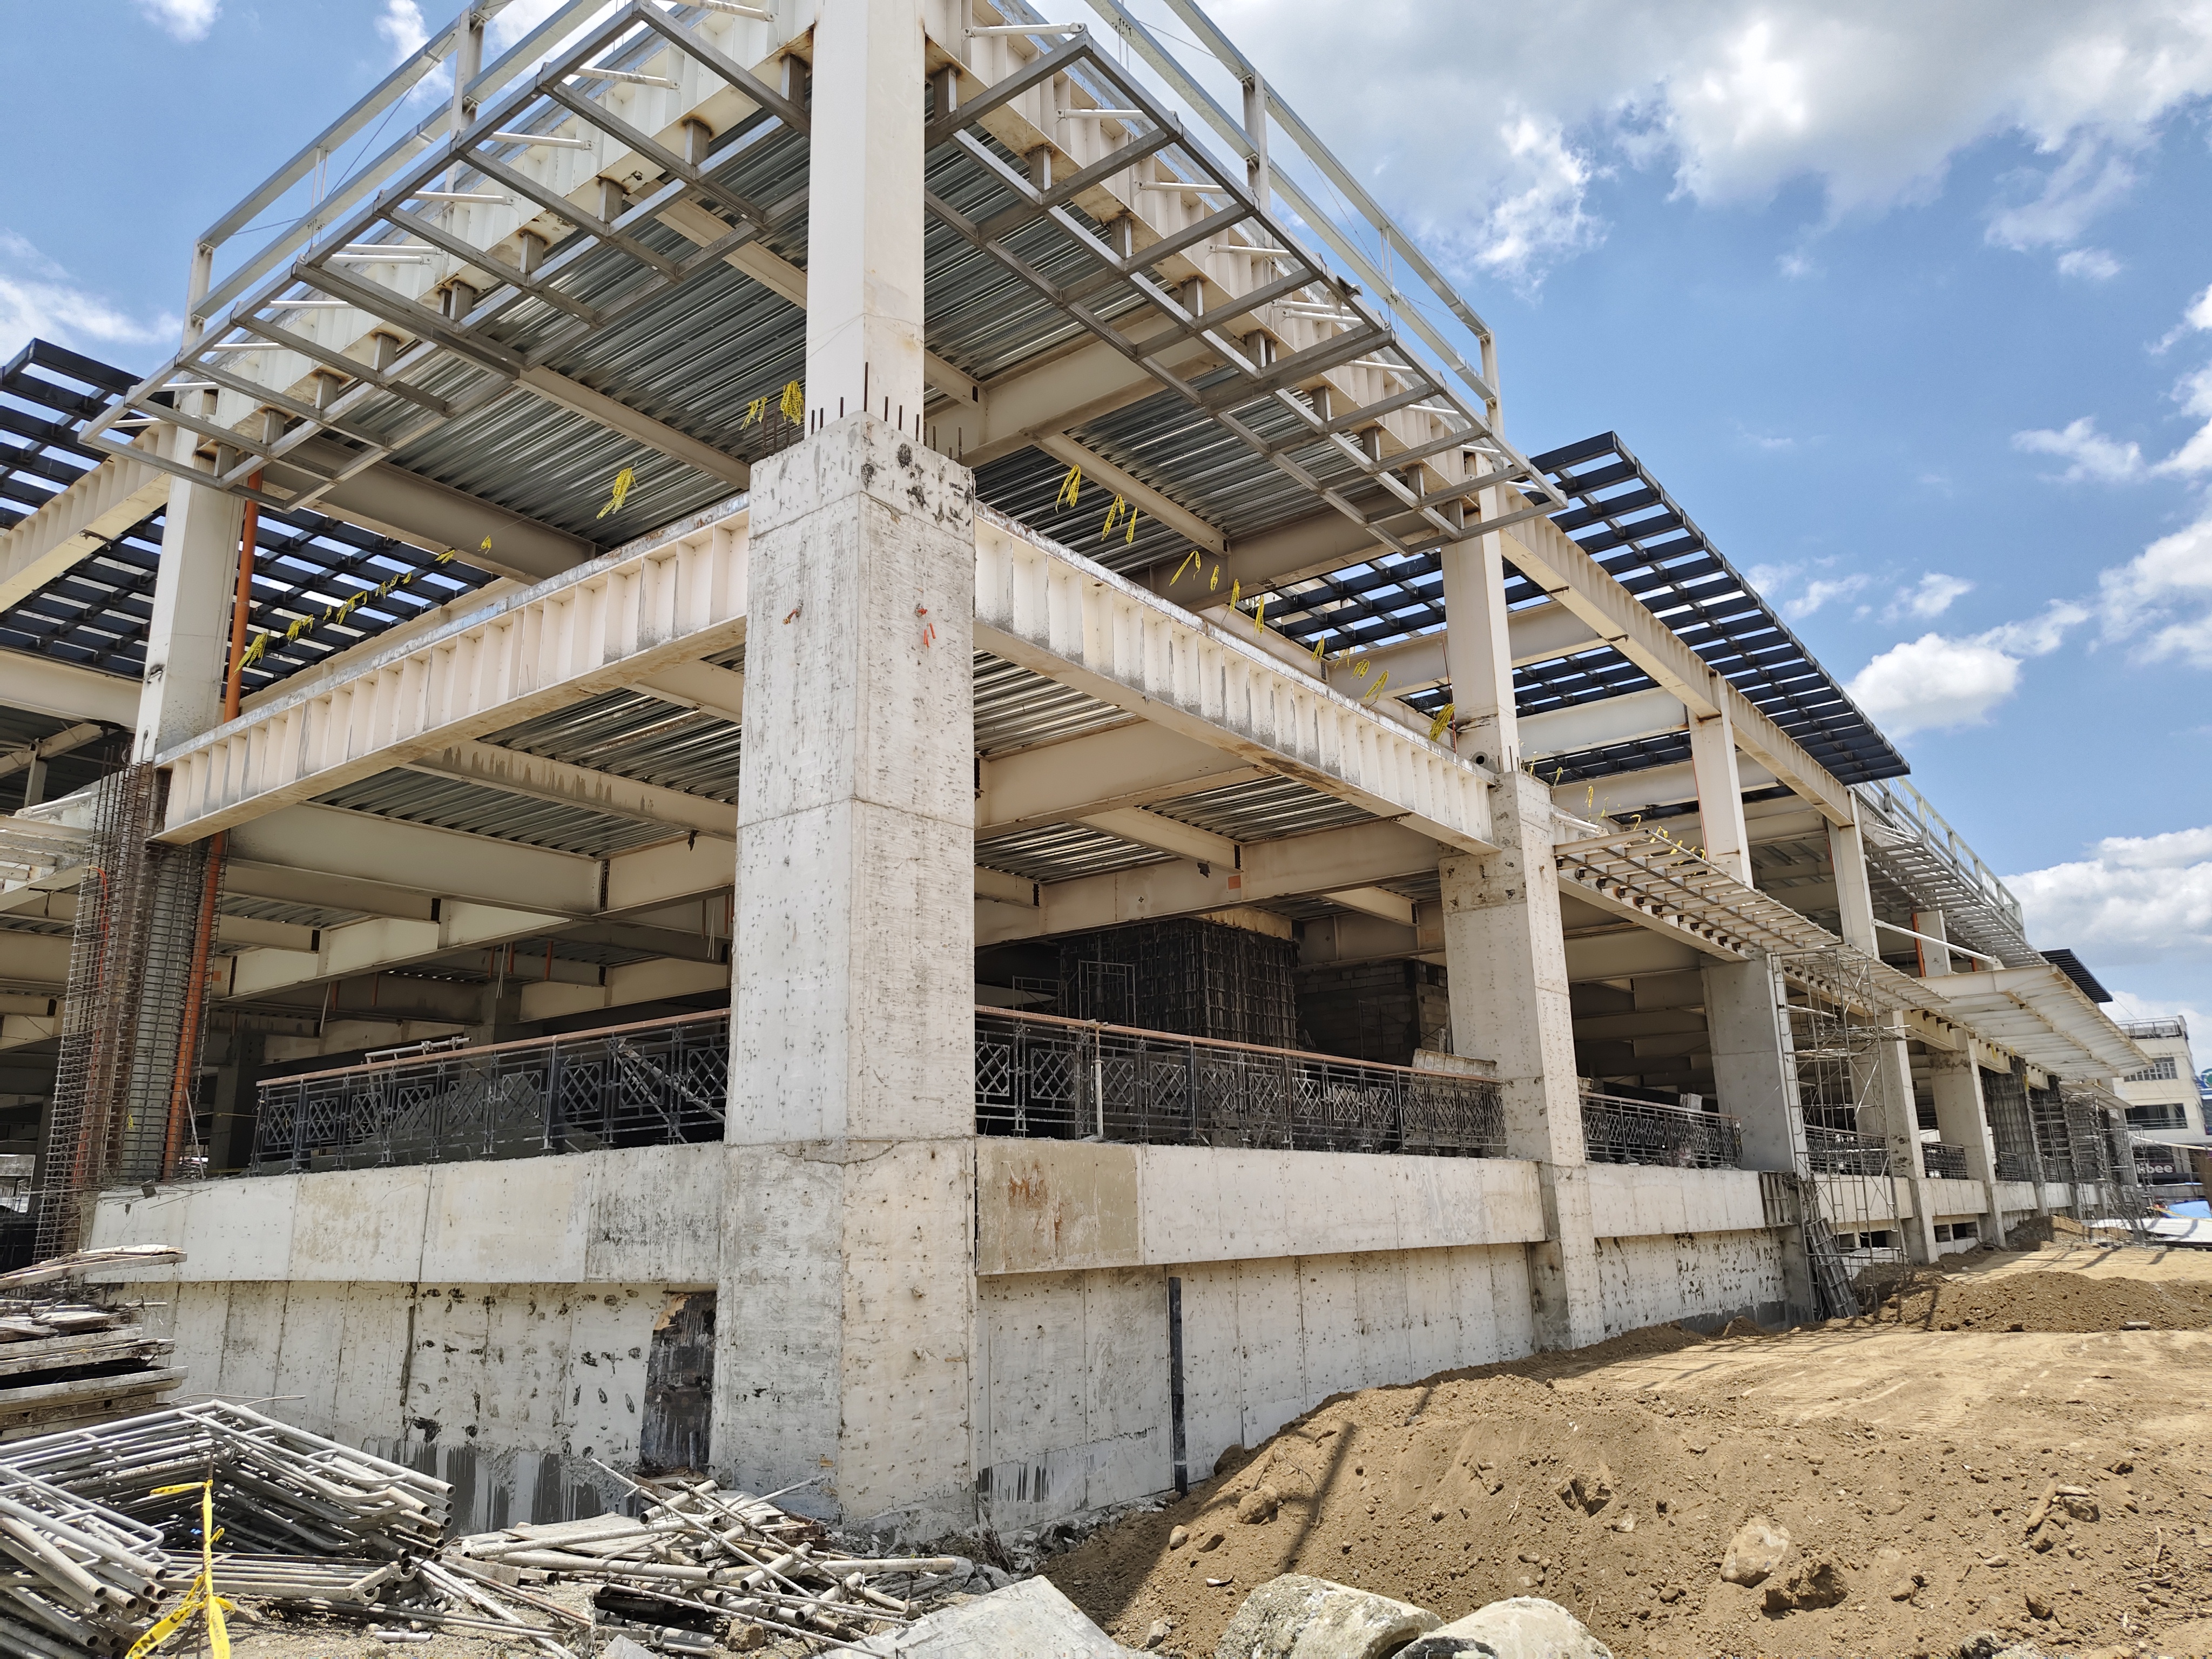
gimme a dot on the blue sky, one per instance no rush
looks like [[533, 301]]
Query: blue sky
[[1908, 310]]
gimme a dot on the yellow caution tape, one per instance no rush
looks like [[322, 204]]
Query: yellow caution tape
[[794, 406], [1375, 690], [200, 1597], [259, 646], [623, 480], [1443, 719], [1189, 560], [1317, 639], [1260, 617], [1215, 583], [1071, 487], [1113, 516]]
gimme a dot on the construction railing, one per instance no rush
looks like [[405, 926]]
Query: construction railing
[[1840, 1152], [1617, 1130], [1064, 1080], [651, 1084], [1943, 1163]]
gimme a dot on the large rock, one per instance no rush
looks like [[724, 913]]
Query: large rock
[[1810, 1584], [1526, 1627], [1296, 1617], [1031, 1618], [1758, 1548]]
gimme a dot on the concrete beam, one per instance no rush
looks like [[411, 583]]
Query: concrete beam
[[76, 523], [62, 690], [1326, 862], [373, 947], [1151, 829], [1124, 766], [1073, 621], [595, 628], [1588, 725], [535, 778], [1377, 902]]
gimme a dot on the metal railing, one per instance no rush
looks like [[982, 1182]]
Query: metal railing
[[1616, 1130], [1039, 1075], [1941, 1162], [2171, 1026], [1840, 1152], [657, 1082]]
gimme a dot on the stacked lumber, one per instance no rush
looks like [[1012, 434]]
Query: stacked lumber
[[64, 1360]]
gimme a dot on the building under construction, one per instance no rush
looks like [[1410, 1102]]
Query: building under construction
[[835, 738]]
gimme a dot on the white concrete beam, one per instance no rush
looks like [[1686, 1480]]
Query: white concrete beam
[[538, 779], [1326, 862], [76, 523], [1074, 621], [1165, 835], [1546, 554], [1586, 726], [372, 947], [63, 691], [593, 629], [1377, 902], [1132, 765]]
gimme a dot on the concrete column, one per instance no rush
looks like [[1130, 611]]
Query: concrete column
[[1886, 1090], [848, 1318], [1720, 793], [1507, 962], [1477, 649], [1754, 1066], [188, 639], [1962, 1119], [864, 247]]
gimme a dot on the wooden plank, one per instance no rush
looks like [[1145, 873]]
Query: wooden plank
[[96, 1348]]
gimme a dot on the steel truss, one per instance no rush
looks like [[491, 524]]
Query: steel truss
[[1104, 277], [502, 323]]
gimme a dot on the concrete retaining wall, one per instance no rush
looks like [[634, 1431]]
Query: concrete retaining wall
[[1701, 1281], [1076, 1410]]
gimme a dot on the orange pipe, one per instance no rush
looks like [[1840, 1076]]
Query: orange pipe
[[233, 690]]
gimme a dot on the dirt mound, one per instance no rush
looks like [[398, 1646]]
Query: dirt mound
[[1476, 1485], [2050, 1301]]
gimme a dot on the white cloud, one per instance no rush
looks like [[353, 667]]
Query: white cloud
[[2135, 899], [1930, 596], [401, 23], [1818, 593], [2089, 453], [38, 298], [1936, 682], [2091, 263], [2162, 597], [1736, 98], [187, 20]]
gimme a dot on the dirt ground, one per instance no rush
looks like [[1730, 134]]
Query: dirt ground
[[1912, 1452]]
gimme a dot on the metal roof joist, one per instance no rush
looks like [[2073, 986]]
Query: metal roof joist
[[2042, 1015]]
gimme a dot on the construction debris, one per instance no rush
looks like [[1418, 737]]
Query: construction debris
[[65, 1360], [277, 1489], [85, 1580]]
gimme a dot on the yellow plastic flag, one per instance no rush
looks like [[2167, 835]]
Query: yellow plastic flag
[[624, 479], [1437, 725], [1260, 617], [1190, 560], [794, 406], [1071, 487]]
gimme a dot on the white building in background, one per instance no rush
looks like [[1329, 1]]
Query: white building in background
[[2163, 1101]]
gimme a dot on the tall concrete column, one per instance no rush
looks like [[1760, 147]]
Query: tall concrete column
[[188, 639], [1507, 960], [847, 1315], [1962, 1119], [1887, 1085], [1754, 1065], [846, 1324]]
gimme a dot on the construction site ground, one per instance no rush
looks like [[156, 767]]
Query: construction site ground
[[1913, 1452]]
